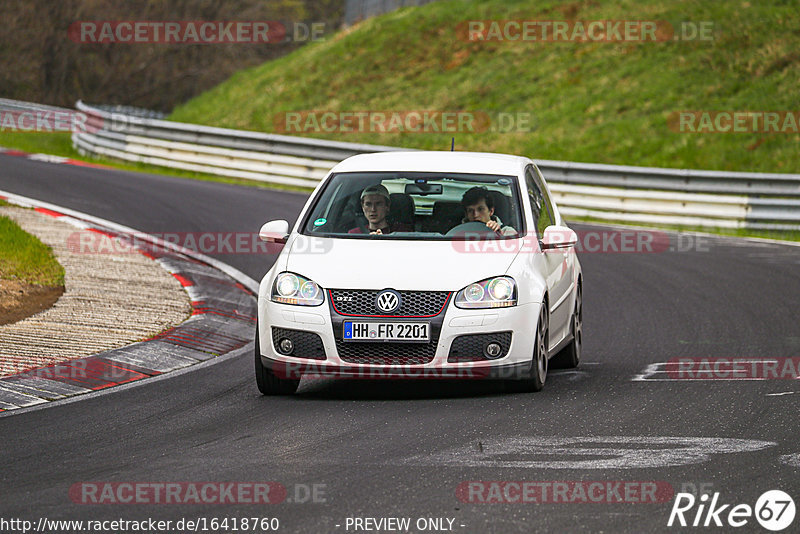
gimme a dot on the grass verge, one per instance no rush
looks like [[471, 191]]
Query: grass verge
[[25, 258], [589, 101]]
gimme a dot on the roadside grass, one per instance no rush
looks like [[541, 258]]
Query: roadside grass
[[55, 144], [592, 102], [23, 257]]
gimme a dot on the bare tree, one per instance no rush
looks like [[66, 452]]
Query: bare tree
[[39, 61]]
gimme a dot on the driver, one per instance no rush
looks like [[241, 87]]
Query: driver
[[375, 203], [478, 206]]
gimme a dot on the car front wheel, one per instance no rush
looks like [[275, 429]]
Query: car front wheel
[[539, 362]]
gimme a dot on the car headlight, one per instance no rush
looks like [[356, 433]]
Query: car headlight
[[499, 292], [290, 288]]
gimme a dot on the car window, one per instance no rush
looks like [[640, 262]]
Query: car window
[[541, 207], [548, 201], [410, 205]]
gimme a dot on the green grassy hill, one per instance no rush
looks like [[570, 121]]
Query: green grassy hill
[[591, 101]]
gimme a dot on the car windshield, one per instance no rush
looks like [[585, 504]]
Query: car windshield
[[417, 206]]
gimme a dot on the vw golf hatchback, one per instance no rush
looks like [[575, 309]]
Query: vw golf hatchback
[[421, 265]]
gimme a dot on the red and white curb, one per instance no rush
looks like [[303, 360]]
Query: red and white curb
[[224, 309], [49, 158]]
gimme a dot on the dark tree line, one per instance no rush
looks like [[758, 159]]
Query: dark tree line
[[40, 63]]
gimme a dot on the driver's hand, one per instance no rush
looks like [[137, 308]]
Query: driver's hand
[[493, 225], [377, 232]]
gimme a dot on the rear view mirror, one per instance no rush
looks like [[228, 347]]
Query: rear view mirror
[[423, 189]]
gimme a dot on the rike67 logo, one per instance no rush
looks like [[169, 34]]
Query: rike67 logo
[[774, 510]]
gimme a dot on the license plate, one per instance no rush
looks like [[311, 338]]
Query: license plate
[[370, 331]]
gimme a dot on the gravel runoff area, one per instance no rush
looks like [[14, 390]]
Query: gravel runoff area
[[109, 301]]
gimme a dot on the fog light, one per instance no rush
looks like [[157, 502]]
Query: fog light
[[286, 346], [493, 350]]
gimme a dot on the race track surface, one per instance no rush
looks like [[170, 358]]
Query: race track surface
[[403, 448]]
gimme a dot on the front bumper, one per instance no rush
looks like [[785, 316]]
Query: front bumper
[[516, 323]]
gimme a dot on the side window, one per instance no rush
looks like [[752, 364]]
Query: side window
[[540, 205], [547, 199]]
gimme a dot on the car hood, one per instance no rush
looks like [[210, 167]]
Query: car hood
[[392, 263]]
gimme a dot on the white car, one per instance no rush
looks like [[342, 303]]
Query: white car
[[418, 265]]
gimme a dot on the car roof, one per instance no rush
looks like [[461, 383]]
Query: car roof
[[434, 161]]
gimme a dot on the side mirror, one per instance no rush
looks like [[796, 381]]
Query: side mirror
[[558, 237], [274, 232]]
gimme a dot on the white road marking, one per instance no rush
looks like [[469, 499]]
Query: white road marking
[[605, 452], [657, 372], [651, 370], [15, 398], [791, 459], [573, 374], [47, 158], [42, 387]]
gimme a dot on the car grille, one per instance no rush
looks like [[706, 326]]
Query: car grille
[[470, 348], [387, 353], [413, 303], [306, 344]]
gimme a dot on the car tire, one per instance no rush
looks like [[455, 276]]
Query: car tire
[[539, 361], [570, 356], [267, 382]]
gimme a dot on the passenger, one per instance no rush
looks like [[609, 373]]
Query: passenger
[[375, 203], [479, 207]]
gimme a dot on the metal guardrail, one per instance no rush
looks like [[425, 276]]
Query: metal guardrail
[[132, 111], [7, 104], [608, 192]]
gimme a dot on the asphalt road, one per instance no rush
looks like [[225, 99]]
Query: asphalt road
[[402, 448]]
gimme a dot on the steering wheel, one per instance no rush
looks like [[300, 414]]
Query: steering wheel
[[472, 227]]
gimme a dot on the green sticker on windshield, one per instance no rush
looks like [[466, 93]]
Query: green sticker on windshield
[[320, 222]]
